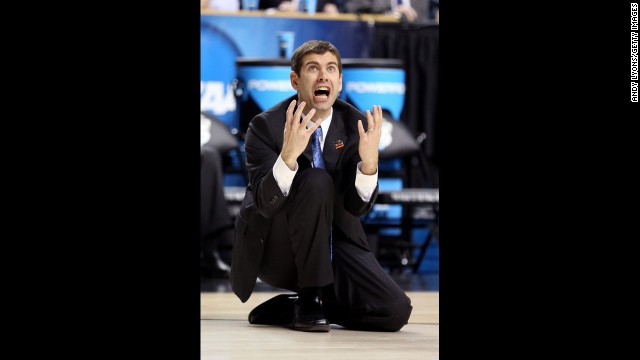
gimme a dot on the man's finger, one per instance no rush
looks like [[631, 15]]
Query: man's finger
[[378, 117], [307, 120], [360, 128], [289, 116], [296, 115], [370, 123]]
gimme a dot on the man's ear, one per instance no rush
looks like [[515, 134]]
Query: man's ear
[[340, 86], [294, 80]]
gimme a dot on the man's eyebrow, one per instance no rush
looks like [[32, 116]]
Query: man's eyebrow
[[312, 62]]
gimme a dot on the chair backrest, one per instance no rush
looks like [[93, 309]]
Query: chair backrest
[[396, 140], [220, 136], [228, 144]]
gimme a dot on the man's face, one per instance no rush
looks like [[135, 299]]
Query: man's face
[[319, 82]]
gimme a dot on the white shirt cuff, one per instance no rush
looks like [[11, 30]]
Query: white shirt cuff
[[283, 175], [365, 184]]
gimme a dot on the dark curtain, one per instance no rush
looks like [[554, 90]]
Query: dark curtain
[[418, 47]]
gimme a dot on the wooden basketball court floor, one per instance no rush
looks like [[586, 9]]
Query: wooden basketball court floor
[[225, 333]]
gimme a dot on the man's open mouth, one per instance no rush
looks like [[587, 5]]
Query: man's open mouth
[[322, 92]]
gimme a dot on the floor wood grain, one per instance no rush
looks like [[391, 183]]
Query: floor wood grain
[[226, 334]]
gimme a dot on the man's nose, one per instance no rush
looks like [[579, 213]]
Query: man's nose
[[321, 77]]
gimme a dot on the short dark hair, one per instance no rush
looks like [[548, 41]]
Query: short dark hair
[[315, 47]]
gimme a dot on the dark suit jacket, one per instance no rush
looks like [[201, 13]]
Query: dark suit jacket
[[261, 215]]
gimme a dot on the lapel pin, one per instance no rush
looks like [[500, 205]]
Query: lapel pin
[[338, 144]]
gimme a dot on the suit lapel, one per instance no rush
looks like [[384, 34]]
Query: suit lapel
[[334, 145], [277, 127], [308, 153]]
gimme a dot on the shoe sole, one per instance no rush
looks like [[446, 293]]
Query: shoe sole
[[313, 328], [256, 316]]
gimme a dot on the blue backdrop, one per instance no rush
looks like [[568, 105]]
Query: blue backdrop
[[223, 38]]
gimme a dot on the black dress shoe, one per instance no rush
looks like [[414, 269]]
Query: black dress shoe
[[308, 316], [275, 311]]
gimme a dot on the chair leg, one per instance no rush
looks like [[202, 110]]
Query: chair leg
[[423, 250]]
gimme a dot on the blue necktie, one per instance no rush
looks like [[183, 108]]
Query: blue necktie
[[318, 162]]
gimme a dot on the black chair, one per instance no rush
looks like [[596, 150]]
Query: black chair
[[398, 142], [229, 145], [396, 251], [420, 210], [224, 142]]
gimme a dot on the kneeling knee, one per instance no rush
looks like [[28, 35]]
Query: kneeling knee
[[400, 311], [318, 181]]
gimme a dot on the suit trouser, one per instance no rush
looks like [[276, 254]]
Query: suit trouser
[[357, 292]]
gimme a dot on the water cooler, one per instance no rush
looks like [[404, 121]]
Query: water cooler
[[261, 83]]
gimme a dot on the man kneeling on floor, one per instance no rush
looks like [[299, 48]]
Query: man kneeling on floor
[[313, 171]]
